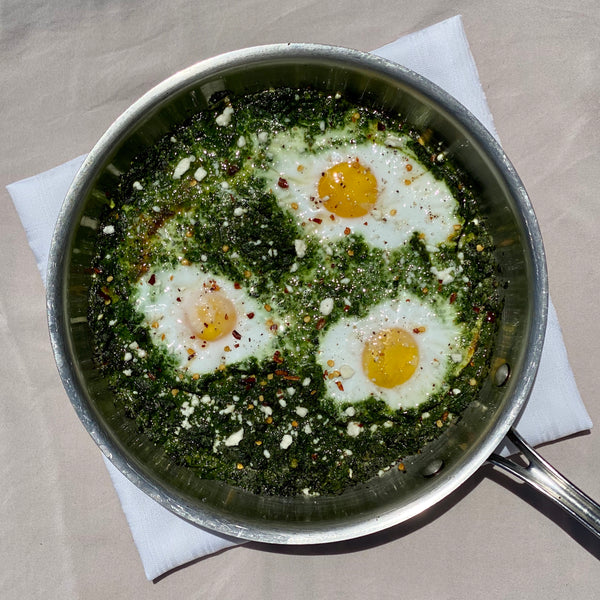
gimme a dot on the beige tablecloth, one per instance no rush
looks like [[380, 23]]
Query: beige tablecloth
[[67, 71]]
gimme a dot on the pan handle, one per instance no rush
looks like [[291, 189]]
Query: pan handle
[[546, 479]]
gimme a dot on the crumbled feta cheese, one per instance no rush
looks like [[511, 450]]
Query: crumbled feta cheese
[[456, 358], [353, 429], [241, 141], [238, 211], [127, 357], [300, 246], [306, 381], [291, 391], [235, 438], [444, 275], [350, 411], [108, 229], [182, 166], [346, 371], [200, 174], [326, 306], [301, 411], [225, 117], [263, 137], [137, 185], [286, 441]]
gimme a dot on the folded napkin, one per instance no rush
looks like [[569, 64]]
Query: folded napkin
[[441, 53]]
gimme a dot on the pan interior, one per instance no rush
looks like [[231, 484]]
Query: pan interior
[[442, 465]]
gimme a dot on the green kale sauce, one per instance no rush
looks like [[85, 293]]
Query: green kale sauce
[[154, 220]]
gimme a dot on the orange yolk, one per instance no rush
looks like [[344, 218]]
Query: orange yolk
[[348, 189], [211, 316], [390, 357]]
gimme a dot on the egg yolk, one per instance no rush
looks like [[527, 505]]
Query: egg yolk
[[211, 316], [390, 357], [348, 189]]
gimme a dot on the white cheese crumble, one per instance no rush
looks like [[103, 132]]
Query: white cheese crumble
[[353, 429], [300, 246], [108, 229], [182, 166], [200, 173], [263, 137], [445, 275], [224, 118], [346, 371], [301, 411], [235, 438], [286, 441], [137, 185], [350, 411], [326, 306], [241, 141]]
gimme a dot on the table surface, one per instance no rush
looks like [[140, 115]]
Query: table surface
[[68, 70]]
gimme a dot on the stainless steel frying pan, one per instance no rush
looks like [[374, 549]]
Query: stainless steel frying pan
[[443, 465]]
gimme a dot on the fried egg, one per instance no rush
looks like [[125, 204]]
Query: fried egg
[[205, 321], [376, 189], [402, 352]]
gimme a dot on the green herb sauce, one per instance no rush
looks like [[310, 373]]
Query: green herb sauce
[[158, 221]]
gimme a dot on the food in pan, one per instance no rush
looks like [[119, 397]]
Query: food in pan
[[292, 292]]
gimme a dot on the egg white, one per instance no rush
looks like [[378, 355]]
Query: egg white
[[440, 352], [161, 297], [409, 197]]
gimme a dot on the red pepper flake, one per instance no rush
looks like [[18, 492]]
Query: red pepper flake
[[232, 168], [151, 376], [380, 126], [281, 373], [250, 315], [340, 386], [320, 323], [292, 377], [316, 220], [273, 327], [236, 334], [452, 297], [277, 358], [490, 317], [282, 183], [237, 285], [152, 279], [347, 231]]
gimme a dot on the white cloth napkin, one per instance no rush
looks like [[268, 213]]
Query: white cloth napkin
[[441, 53]]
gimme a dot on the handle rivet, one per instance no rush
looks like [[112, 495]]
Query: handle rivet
[[433, 468], [502, 374]]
